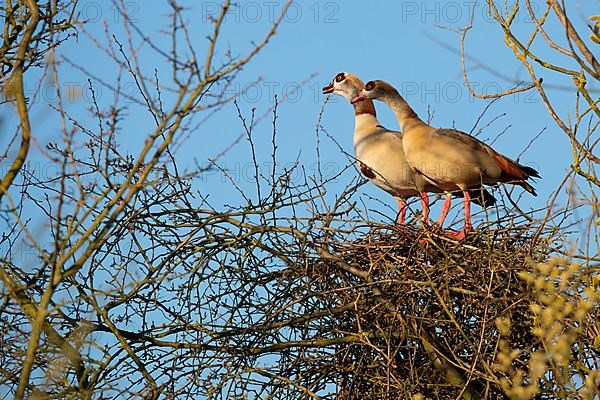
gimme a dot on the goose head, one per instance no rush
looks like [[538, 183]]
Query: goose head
[[375, 90], [346, 85]]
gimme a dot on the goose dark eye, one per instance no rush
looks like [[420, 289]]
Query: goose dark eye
[[370, 86], [340, 77]]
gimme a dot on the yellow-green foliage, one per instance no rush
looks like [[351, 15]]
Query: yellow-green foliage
[[564, 298], [595, 36]]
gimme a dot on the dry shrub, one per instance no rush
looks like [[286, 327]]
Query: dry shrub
[[435, 317]]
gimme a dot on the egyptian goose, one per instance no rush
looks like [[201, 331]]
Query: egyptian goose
[[380, 154], [447, 157]]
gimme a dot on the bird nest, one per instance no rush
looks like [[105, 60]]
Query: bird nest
[[425, 309]]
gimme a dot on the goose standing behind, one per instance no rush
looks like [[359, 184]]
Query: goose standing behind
[[447, 157], [380, 154]]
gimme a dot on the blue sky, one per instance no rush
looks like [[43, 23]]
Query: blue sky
[[398, 41]]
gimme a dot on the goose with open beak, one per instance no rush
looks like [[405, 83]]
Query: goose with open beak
[[380, 154]]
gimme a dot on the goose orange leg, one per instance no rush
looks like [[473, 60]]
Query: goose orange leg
[[401, 210], [460, 235], [425, 206], [445, 209]]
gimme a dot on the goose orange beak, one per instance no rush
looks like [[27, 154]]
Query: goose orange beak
[[328, 89]]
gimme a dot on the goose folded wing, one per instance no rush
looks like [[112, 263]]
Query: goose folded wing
[[464, 138]]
